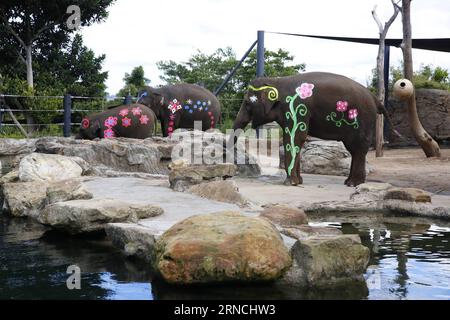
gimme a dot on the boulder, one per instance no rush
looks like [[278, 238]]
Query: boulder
[[84, 216], [49, 167], [198, 147], [182, 177], [407, 194], [132, 239], [29, 198], [323, 157], [284, 215], [12, 147], [221, 247], [324, 260], [304, 232], [223, 191]]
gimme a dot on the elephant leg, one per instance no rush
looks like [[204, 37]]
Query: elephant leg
[[358, 166], [164, 127], [292, 157]]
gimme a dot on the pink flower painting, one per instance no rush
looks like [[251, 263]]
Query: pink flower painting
[[341, 106], [124, 112], [136, 111], [144, 119], [305, 90], [85, 123], [110, 122], [126, 122], [174, 106], [108, 134], [352, 114]]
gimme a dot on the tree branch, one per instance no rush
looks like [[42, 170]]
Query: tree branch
[[375, 17], [12, 31]]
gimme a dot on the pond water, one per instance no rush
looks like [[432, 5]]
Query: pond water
[[410, 259]]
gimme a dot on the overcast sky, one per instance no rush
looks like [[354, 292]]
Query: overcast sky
[[142, 32]]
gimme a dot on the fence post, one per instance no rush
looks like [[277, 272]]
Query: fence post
[[127, 101], [67, 114]]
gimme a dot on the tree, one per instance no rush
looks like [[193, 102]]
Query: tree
[[210, 70], [383, 30], [134, 81], [24, 23], [429, 146]]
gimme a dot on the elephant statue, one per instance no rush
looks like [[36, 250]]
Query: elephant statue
[[319, 104], [179, 105], [131, 121]]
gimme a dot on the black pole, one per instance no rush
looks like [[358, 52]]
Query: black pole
[[260, 61], [231, 74], [67, 114], [260, 55], [387, 53], [127, 101]]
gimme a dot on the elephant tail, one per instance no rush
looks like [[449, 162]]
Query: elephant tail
[[382, 110]]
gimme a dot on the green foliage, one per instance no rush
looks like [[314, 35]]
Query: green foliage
[[134, 81], [427, 76], [210, 70]]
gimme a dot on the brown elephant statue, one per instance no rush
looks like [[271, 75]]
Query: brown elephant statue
[[323, 105]]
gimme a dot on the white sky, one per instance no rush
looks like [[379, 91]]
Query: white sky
[[142, 32]]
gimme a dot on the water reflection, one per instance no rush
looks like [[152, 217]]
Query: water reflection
[[410, 259], [411, 255]]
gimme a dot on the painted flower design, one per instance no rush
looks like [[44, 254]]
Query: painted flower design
[[253, 99], [124, 112], [110, 122], [136, 111], [108, 133], [85, 123], [126, 122], [174, 106], [305, 90], [341, 106], [144, 119], [172, 117], [352, 114]]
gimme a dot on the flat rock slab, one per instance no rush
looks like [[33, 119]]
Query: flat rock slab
[[284, 215], [408, 194], [83, 216], [176, 205]]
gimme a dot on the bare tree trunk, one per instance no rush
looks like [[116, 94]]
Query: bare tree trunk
[[29, 63], [429, 146], [383, 30]]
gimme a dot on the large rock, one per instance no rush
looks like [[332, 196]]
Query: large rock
[[29, 198], [221, 247], [49, 167], [284, 215], [198, 147], [84, 216], [223, 191], [433, 108], [407, 194], [132, 239], [322, 261], [323, 157], [151, 155], [11, 147], [182, 177]]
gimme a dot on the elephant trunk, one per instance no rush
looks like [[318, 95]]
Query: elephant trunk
[[242, 120]]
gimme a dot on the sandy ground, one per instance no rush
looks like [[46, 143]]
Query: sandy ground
[[410, 168]]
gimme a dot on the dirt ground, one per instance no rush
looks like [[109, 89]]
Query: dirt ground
[[410, 168]]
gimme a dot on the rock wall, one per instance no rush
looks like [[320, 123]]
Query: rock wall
[[433, 107]]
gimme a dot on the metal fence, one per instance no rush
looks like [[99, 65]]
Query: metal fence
[[61, 115]]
